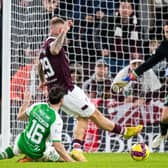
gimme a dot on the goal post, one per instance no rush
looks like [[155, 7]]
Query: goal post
[[6, 73]]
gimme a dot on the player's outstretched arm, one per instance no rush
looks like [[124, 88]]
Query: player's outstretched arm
[[62, 152], [160, 54], [22, 111], [58, 43]]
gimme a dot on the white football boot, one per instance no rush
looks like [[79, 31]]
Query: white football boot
[[158, 140]]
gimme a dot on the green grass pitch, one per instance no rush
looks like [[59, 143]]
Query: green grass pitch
[[97, 160]]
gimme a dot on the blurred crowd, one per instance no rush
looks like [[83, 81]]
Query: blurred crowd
[[110, 31], [105, 35]]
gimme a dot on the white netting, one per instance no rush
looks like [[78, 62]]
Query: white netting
[[98, 33]]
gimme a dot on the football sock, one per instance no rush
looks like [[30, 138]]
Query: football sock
[[8, 153], [163, 127], [77, 144], [118, 129]]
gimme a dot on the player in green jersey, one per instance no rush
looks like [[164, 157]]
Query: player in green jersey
[[44, 124]]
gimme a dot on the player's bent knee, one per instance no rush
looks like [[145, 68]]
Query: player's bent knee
[[16, 150]]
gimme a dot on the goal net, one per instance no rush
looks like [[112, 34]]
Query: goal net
[[106, 36]]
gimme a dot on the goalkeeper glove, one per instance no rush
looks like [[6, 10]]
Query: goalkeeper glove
[[131, 76]]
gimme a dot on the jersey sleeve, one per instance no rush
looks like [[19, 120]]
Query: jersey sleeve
[[48, 43], [46, 47], [56, 130], [161, 53]]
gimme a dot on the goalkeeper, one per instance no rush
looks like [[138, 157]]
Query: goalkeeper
[[161, 54], [44, 124]]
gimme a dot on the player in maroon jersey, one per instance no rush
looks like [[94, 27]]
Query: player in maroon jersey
[[54, 69]]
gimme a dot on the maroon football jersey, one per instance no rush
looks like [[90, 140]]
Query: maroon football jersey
[[55, 67]]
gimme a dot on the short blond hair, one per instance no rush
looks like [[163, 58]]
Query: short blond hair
[[56, 20]]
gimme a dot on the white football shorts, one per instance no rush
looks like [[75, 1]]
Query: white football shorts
[[77, 104]]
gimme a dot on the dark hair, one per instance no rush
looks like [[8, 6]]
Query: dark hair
[[129, 1], [56, 93]]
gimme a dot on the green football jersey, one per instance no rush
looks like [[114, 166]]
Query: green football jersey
[[44, 124]]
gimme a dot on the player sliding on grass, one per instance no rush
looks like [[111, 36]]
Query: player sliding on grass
[[161, 54], [44, 124], [54, 69]]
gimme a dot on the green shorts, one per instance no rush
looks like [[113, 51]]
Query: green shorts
[[27, 149]]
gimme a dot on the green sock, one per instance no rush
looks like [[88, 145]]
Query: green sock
[[8, 153]]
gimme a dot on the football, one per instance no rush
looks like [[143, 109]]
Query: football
[[139, 151]]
